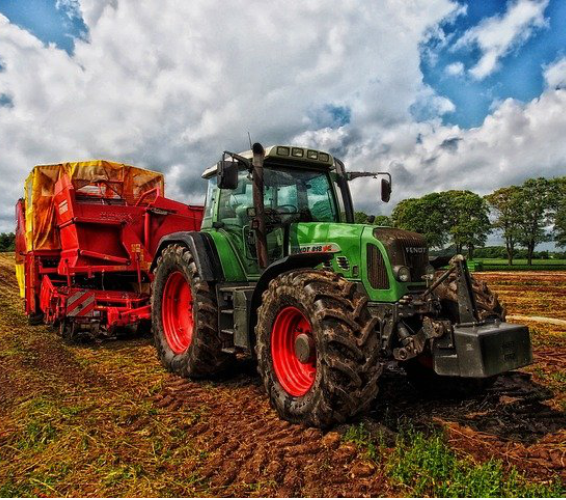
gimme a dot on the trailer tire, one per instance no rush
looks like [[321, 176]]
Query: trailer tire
[[343, 350], [35, 319], [68, 332], [201, 355]]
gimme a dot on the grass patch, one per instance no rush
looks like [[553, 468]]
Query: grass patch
[[365, 442], [426, 466]]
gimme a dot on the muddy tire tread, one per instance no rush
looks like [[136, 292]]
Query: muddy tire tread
[[204, 357], [349, 368]]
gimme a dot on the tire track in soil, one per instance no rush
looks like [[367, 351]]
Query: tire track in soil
[[513, 421], [520, 420], [249, 445]]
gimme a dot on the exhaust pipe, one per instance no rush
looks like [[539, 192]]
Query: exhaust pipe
[[258, 223]]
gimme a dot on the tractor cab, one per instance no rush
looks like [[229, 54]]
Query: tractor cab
[[302, 189]]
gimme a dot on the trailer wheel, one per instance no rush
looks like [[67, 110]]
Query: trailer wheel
[[35, 319], [71, 333], [185, 317], [317, 348]]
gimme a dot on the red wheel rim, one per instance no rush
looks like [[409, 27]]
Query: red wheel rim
[[294, 376], [177, 312]]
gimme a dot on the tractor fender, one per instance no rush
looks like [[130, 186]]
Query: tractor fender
[[202, 248], [289, 263]]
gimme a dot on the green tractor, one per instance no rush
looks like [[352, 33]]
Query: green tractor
[[280, 272]]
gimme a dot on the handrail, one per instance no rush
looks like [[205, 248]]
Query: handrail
[[156, 189]]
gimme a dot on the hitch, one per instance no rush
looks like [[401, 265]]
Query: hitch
[[466, 302]]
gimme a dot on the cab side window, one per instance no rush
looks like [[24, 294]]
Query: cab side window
[[209, 200], [233, 204]]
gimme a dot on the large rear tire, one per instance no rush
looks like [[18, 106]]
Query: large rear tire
[[317, 348], [185, 317]]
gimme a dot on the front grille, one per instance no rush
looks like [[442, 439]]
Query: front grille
[[377, 272], [405, 249]]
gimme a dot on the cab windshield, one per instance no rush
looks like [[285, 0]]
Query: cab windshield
[[294, 195]]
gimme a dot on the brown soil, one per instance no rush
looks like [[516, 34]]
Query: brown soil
[[106, 420]]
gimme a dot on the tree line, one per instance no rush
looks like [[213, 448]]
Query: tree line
[[525, 216], [7, 242]]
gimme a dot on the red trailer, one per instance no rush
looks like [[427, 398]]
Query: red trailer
[[86, 236]]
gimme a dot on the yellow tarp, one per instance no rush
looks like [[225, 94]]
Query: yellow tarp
[[20, 275], [118, 180]]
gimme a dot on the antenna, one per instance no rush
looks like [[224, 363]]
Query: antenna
[[250, 139]]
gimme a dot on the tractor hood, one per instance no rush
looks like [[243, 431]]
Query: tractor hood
[[314, 237], [370, 254]]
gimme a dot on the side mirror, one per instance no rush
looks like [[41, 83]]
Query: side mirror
[[385, 190], [227, 174]]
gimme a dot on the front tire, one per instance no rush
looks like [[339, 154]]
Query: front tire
[[317, 348], [487, 302], [419, 370], [185, 317]]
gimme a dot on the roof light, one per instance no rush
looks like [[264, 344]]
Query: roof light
[[323, 157], [298, 152], [283, 151], [312, 155]]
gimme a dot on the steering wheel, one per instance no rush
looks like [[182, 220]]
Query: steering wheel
[[287, 209]]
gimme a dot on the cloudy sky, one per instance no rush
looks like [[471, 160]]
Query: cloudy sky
[[442, 93]]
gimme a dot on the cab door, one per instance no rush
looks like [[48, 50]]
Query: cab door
[[233, 220]]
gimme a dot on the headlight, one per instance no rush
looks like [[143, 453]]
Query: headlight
[[429, 270], [403, 274]]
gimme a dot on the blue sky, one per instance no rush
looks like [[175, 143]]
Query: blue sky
[[520, 75], [48, 21]]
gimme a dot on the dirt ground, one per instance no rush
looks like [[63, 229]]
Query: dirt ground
[[105, 419]]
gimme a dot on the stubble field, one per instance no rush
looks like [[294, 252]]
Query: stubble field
[[105, 419]]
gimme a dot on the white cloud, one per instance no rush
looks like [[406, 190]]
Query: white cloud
[[555, 74], [517, 141], [499, 35], [455, 69], [71, 7], [173, 83]]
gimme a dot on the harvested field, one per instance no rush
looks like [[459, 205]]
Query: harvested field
[[105, 419]]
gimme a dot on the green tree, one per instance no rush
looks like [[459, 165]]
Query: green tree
[[360, 218], [468, 220], [560, 226], [560, 212], [460, 217], [425, 215], [536, 200], [383, 220], [505, 206], [7, 242]]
